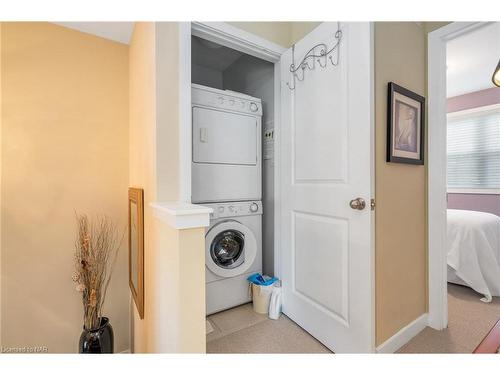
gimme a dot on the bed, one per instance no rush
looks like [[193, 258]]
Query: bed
[[474, 251]]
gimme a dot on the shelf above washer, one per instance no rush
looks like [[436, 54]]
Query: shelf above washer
[[182, 215]]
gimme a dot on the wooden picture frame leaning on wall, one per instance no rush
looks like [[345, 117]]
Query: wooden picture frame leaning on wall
[[136, 247]]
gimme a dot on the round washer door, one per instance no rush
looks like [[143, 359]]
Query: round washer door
[[230, 248]]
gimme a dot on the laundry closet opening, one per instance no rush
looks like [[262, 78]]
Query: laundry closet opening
[[265, 137], [233, 167]]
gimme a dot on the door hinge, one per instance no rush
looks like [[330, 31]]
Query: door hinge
[[372, 204]]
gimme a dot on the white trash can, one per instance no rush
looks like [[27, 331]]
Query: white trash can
[[261, 295]]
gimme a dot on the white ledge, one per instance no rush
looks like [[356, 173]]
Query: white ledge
[[181, 215]]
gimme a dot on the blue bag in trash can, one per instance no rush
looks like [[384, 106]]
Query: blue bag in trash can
[[261, 288]]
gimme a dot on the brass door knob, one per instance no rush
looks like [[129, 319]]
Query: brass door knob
[[357, 204]]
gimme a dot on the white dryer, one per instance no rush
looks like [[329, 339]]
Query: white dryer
[[233, 251], [226, 159]]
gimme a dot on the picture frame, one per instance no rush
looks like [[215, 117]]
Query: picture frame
[[136, 246], [405, 126]]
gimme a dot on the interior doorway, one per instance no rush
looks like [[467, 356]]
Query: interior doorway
[[463, 184]]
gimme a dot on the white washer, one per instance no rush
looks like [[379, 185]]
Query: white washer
[[226, 159], [233, 251]]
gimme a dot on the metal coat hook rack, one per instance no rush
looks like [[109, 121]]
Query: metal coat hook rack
[[311, 58]]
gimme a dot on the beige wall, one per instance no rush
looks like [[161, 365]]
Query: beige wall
[[178, 303], [277, 32], [282, 33], [431, 26], [64, 148], [401, 254], [300, 29], [174, 314], [142, 151]]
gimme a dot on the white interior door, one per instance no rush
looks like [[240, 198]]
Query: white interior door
[[326, 161]]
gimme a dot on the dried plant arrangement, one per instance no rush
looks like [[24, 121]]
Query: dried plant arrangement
[[96, 249]]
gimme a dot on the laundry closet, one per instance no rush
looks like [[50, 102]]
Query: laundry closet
[[233, 167]]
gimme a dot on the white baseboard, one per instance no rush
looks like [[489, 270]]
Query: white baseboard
[[403, 336]]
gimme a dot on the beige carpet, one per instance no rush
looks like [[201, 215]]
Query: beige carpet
[[241, 330], [469, 320]]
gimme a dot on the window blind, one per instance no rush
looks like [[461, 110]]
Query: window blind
[[474, 150]]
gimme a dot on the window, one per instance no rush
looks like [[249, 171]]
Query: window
[[474, 150]]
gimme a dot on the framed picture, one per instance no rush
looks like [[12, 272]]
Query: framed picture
[[136, 246], [405, 126]]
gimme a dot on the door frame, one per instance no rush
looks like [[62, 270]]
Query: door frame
[[251, 44], [227, 35], [436, 174]]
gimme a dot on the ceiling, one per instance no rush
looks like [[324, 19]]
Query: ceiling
[[211, 55], [117, 31], [471, 60]]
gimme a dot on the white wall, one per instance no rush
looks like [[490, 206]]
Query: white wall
[[255, 77]]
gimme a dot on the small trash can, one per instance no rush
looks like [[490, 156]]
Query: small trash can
[[261, 289], [261, 295]]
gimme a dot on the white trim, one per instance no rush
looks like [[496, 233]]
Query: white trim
[[372, 188], [185, 144], [277, 170], [436, 204], [182, 215], [238, 39], [405, 334]]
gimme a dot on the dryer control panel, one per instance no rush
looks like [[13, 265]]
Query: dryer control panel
[[235, 209], [225, 99]]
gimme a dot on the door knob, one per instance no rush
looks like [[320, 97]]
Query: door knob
[[357, 204]]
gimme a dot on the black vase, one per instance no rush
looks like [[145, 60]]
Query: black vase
[[100, 340]]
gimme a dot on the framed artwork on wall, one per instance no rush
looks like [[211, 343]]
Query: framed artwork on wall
[[405, 126], [136, 247]]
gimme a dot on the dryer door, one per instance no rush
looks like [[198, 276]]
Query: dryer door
[[230, 248], [224, 137]]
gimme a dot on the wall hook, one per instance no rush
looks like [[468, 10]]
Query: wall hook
[[322, 58]]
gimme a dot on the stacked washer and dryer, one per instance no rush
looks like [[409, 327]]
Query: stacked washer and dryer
[[227, 176]]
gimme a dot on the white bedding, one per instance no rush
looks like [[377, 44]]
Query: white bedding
[[474, 251]]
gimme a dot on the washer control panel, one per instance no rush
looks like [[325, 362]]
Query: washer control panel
[[234, 209]]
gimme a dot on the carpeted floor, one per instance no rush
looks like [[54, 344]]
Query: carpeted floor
[[469, 320], [241, 330]]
